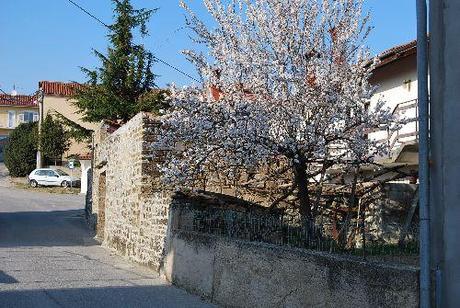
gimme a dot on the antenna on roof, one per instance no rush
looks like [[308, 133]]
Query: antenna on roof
[[14, 92]]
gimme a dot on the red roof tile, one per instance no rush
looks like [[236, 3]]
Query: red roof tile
[[17, 100], [57, 88], [85, 156]]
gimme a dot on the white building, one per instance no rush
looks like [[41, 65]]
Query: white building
[[396, 78]]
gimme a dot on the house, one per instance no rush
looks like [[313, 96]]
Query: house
[[57, 99], [396, 78], [14, 110]]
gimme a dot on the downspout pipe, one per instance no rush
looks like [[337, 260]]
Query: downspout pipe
[[424, 174]]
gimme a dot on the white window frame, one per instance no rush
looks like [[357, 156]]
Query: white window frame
[[21, 118], [11, 118], [35, 117]]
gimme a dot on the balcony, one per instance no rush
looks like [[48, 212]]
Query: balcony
[[401, 144]]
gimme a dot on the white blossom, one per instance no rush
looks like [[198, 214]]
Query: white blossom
[[292, 78]]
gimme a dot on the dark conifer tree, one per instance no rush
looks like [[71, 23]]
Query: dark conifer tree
[[124, 84]]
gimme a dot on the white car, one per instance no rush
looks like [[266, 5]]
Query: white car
[[52, 177]]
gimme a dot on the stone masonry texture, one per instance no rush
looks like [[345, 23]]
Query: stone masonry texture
[[131, 212], [135, 217]]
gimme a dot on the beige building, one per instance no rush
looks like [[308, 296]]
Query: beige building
[[15, 110], [57, 98]]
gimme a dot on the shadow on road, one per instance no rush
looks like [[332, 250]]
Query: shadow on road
[[132, 296], [7, 279], [57, 228]]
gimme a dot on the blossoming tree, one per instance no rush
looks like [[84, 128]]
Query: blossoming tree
[[289, 96]]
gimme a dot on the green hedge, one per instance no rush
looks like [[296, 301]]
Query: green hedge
[[20, 153]]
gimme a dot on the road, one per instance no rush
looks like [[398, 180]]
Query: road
[[4, 178], [48, 258]]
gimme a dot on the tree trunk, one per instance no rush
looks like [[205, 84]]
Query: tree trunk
[[351, 204], [301, 178]]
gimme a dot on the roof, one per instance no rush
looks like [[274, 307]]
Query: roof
[[17, 100], [396, 53], [57, 88], [85, 156]]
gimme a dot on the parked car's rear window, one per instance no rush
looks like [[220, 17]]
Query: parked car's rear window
[[40, 172]]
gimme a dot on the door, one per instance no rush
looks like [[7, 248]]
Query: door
[[100, 226], [40, 177], [52, 178]]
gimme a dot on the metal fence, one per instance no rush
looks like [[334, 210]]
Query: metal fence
[[283, 230]]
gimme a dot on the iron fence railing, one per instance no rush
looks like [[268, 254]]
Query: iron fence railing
[[283, 230]]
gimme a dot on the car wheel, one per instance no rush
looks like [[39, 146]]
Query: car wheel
[[65, 184], [33, 184]]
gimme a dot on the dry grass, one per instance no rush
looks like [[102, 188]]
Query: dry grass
[[51, 189]]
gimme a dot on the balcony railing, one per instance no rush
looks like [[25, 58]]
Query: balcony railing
[[394, 139], [407, 132]]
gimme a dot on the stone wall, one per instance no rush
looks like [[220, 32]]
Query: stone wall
[[138, 220], [130, 212], [385, 218]]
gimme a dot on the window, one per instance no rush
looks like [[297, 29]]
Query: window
[[61, 173], [11, 119], [27, 117], [40, 172], [51, 173]]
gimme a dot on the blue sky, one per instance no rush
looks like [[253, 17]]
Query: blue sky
[[50, 40]]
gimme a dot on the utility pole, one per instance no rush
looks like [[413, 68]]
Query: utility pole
[[41, 98], [445, 150], [424, 152]]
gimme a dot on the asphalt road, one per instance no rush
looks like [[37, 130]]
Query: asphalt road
[[49, 259], [4, 178]]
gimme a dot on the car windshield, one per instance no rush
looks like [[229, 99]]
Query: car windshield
[[60, 172]]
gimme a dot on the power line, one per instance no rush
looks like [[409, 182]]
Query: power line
[[176, 69], [155, 57], [32, 95], [88, 13]]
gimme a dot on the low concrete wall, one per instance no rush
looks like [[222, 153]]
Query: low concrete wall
[[243, 274]]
